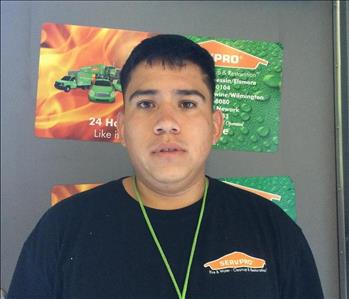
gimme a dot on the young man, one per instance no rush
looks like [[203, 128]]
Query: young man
[[169, 231]]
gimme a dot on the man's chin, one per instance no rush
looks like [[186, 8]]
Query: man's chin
[[170, 176]]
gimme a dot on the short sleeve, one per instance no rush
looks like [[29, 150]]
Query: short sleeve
[[34, 273], [302, 279]]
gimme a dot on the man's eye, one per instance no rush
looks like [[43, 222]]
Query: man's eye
[[145, 104], [187, 105]]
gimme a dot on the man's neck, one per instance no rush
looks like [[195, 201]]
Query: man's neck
[[164, 199]]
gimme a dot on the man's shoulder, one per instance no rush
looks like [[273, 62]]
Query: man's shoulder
[[248, 205], [235, 194], [95, 196], [69, 215], [80, 206]]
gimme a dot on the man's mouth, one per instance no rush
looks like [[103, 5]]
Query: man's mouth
[[164, 150], [168, 148]]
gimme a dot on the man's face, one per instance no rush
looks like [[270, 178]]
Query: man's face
[[168, 124]]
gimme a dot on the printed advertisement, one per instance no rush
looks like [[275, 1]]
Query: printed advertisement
[[79, 93], [278, 189]]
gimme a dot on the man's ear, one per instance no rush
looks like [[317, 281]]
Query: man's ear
[[121, 127], [218, 124]]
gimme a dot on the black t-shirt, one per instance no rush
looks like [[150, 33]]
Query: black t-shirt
[[96, 245]]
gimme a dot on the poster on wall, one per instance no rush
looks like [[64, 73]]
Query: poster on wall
[[79, 93], [278, 189]]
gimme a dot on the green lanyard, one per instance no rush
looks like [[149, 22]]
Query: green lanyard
[[181, 295]]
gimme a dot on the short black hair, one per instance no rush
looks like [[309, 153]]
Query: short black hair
[[172, 50]]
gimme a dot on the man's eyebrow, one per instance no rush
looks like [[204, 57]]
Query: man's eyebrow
[[143, 92], [189, 92]]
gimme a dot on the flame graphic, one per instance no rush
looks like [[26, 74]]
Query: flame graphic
[[69, 47]]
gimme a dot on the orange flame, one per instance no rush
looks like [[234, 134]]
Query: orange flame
[[69, 47], [60, 192]]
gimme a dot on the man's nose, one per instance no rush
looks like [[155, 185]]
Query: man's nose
[[166, 122]]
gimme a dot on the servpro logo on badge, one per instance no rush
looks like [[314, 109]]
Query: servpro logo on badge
[[226, 56], [237, 262]]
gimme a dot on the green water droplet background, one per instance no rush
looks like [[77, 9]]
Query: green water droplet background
[[255, 127]]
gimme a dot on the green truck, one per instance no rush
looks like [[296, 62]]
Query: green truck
[[75, 79], [85, 77], [111, 73]]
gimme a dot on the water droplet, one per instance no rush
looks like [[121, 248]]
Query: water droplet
[[272, 80], [246, 107], [244, 130], [263, 131], [267, 143], [253, 138], [244, 116], [277, 69], [275, 140]]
